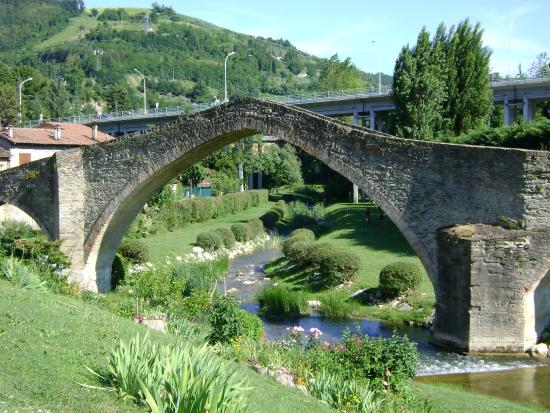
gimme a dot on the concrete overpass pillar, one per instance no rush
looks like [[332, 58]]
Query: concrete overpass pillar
[[355, 187], [528, 110], [250, 181], [241, 176], [260, 180], [372, 119], [509, 112]]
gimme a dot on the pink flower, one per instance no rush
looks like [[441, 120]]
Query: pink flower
[[138, 318]]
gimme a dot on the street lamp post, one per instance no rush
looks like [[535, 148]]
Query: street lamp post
[[379, 67], [144, 91], [225, 76], [19, 89]]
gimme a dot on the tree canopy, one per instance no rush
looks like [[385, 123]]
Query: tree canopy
[[441, 85]]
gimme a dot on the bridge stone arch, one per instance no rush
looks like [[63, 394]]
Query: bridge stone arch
[[424, 187]]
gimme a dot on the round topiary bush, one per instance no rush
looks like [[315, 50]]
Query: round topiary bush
[[296, 250], [270, 218], [280, 210], [227, 236], [256, 227], [210, 241], [316, 252], [241, 231], [338, 267], [134, 250], [399, 278], [303, 233]]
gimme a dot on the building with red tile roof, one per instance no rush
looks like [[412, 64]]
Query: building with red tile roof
[[30, 144]]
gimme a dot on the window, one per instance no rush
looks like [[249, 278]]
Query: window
[[24, 158]]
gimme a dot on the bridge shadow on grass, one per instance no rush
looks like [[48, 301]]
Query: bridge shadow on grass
[[294, 277], [350, 229]]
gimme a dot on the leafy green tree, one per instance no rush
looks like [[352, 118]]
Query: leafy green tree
[[117, 98], [441, 86], [8, 104], [223, 183], [193, 176], [469, 101], [337, 75], [541, 66], [419, 90], [281, 166]]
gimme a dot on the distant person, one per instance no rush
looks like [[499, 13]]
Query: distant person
[[367, 215]]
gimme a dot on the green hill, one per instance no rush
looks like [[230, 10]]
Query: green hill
[[84, 59]]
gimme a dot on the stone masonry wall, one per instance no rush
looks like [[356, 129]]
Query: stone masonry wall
[[485, 291]]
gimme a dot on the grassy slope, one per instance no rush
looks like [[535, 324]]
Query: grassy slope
[[70, 33], [47, 339], [181, 242]]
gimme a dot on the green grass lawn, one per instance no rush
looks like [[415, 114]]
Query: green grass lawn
[[377, 243], [448, 398], [181, 242], [46, 340]]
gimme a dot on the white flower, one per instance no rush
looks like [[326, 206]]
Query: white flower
[[197, 250], [178, 258], [148, 264], [315, 332], [297, 329]]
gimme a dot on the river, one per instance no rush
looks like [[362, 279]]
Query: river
[[514, 377]]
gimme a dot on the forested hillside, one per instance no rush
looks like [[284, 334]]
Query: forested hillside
[[83, 60]]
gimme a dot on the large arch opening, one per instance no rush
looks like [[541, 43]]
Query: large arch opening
[[103, 242]]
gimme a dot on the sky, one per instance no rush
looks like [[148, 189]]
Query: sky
[[373, 32]]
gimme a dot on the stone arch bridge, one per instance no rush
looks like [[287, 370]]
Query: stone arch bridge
[[485, 277]]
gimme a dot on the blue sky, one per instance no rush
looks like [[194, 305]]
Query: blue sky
[[348, 28]]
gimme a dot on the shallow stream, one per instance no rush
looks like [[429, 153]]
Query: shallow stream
[[246, 278]]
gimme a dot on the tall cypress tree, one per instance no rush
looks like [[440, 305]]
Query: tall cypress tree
[[469, 102], [418, 90], [442, 86]]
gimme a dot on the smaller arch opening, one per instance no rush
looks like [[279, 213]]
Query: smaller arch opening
[[11, 213], [542, 306]]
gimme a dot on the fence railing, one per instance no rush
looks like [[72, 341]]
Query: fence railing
[[294, 99]]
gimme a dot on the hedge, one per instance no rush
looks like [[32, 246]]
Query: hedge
[[180, 213], [227, 237]]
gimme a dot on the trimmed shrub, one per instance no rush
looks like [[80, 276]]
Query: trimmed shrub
[[303, 233], [118, 270], [270, 218], [399, 278], [228, 321], [338, 267], [210, 241], [134, 250], [296, 250], [241, 231], [227, 236], [280, 210], [255, 227], [317, 252], [281, 302]]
